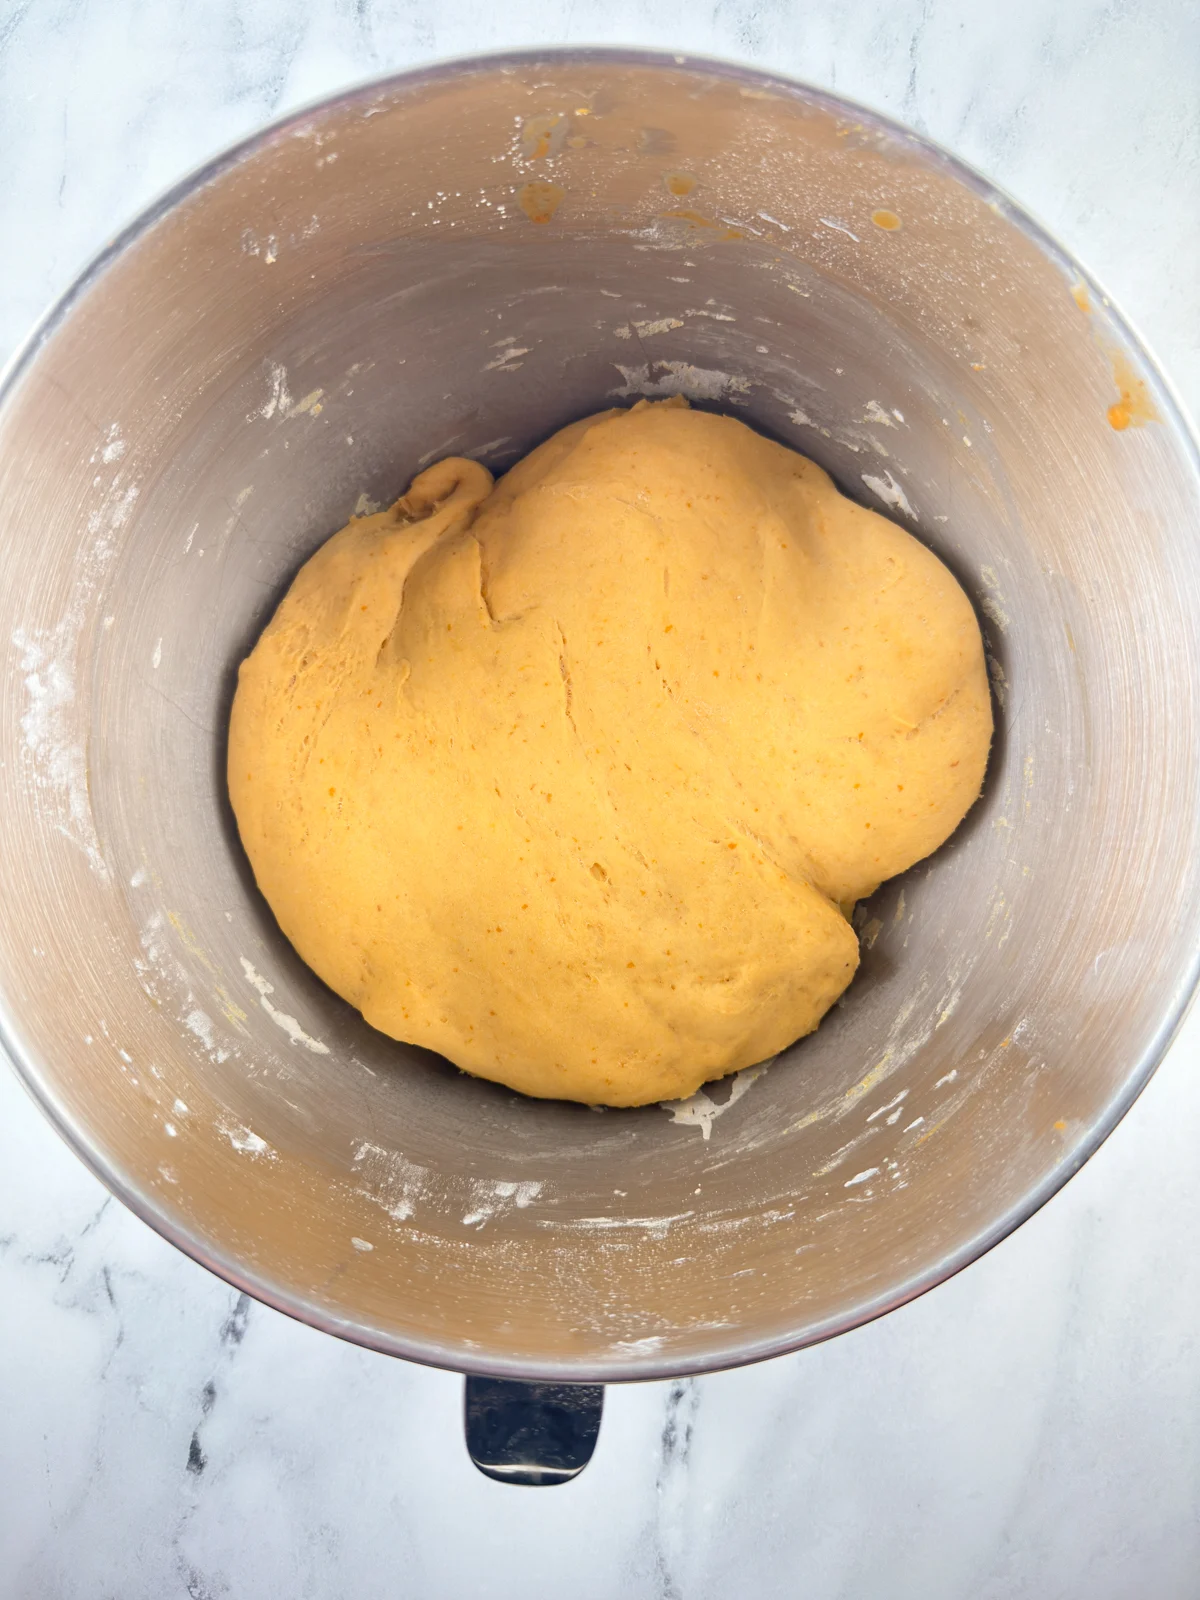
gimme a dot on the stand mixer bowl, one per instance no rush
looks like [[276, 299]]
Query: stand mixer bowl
[[461, 260]]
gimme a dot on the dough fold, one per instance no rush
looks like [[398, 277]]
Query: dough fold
[[573, 778]]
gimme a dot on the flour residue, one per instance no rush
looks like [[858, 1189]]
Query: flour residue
[[509, 359], [992, 604], [680, 377], [654, 1227], [639, 1347], [114, 447], [861, 1177], [700, 1110], [495, 1198], [51, 725], [950, 1007], [994, 612], [438, 450], [897, 1103], [200, 1024], [904, 1041], [398, 1185], [47, 668], [392, 1181], [491, 446], [279, 400], [890, 492], [245, 1141], [265, 247], [281, 1019], [839, 1156], [164, 979], [647, 330], [999, 679], [838, 227]]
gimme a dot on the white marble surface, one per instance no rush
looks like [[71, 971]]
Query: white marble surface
[[1030, 1429]]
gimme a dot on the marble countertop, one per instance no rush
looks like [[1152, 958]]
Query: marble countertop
[[1031, 1428]]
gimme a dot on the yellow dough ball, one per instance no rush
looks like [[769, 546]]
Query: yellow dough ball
[[576, 778]]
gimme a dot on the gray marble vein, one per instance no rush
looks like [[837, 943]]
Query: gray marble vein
[[1031, 1429]]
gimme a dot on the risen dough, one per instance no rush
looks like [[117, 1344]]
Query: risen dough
[[575, 779]]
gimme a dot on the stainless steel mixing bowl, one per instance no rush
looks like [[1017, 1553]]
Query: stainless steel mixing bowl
[[460, 260]]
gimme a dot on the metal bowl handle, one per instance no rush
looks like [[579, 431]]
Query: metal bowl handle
[[531, 1433]]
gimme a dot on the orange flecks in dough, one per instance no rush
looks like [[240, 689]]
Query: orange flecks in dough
[[695, 220], [1060, 1126], [1135, 406], [679, 183], [1079, 293], [539, 201], [887, 220]]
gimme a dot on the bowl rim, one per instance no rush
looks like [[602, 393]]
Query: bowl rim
[[631, 1367]]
